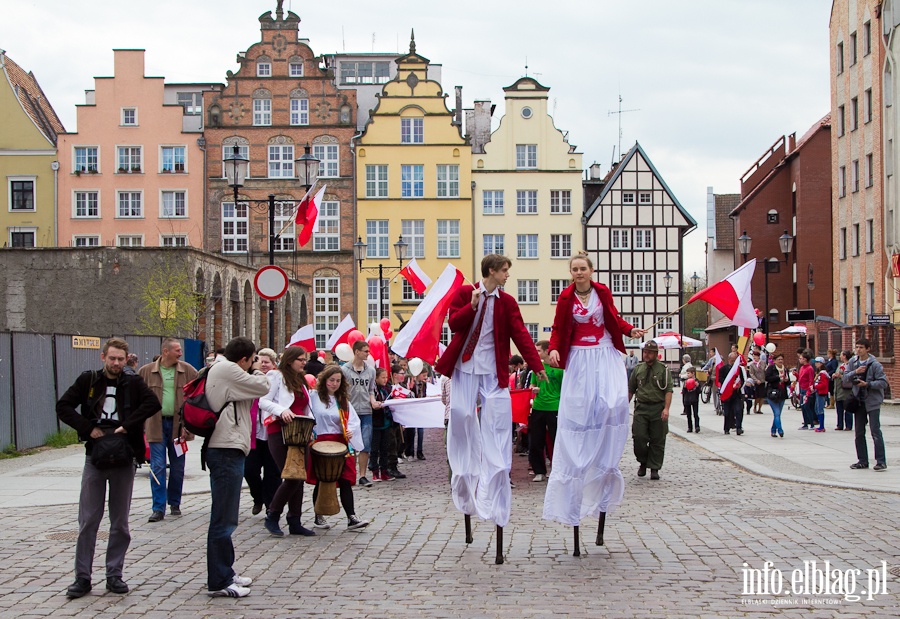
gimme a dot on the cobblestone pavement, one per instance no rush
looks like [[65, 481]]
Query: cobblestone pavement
[[675, 548]]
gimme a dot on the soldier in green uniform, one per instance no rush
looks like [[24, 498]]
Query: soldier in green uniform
[[651, 387]]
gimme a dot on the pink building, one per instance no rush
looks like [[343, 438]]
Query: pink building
[[133, 173]]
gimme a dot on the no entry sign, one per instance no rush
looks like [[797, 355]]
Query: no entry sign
[[271, 282]]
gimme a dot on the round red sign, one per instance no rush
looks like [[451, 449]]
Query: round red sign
[[271, 282]]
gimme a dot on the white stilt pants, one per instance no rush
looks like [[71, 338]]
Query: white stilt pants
[[480, 453]]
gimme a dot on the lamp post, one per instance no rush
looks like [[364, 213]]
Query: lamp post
[[667, 281], [785, 243], [810, 285], [237, 168], [359, 254]]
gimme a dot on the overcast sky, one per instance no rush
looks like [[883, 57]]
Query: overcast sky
[[714, 82]]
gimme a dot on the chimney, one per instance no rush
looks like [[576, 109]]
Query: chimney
[[458, 111]]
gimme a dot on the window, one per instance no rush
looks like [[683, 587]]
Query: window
[[409, 293], [867, 105], [560, 245], [448, 238], [129, 240], [526, 156], [365, 72], [243, 151], [870, 298], [854, 240], [621, 239], [235, 223], [843, 304], [643, 283], [446, 334], [857, 305], [284, 216], [21, 238], [643, 238], [556, 288], [870, 236], [560, 202], [174, 204], [644, 197], [129, 117], [281, 161], [448, 181], [621, 283], [532, 328], [854, 114], [413, 231], [377, 238], [86, 241], [636, 321], [842, 244], [129, 204], [192, 102], [528, 291], [841, 121], [842, 181], [627, 197], [852, 49], [262, 112], [494, 244], [374, 292], [299, 111], [526, 202], [328, 236], [86, 159], [854, 175], [326, 308], [376, 181], [526, 246], [867, 38], [492, 202], [263, 69], [129, 159], [329, 163], [412, 130], [295, 68], [87, 204], [174, 240], [21, 195], [870, 170], [173, 158], [665, 324], [412, 181], [839, 58]]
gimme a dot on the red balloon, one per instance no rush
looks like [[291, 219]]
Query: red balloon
[[310, 380], [385, 324], [376, 347], [355, 336], [759, 339], [388, 334], [690, 384]]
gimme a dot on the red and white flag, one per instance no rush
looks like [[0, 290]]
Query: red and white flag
[[731, 296], [340, 334], [305, 337], [421, 336], [308, 217], [719, 362], [416, 276], [733, 380]]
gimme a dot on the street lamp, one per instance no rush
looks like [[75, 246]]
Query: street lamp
[[695, 281], [785, 243], [237, 169], [401, 248]]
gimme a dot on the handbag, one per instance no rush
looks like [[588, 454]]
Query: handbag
[[111, 450], [775, 394]]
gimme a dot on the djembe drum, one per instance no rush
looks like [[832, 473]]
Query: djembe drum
[[328, 459], [296, 434]]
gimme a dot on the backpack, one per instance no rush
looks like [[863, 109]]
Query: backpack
[[196, 413]]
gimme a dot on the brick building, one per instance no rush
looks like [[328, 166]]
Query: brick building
[[276, 103]]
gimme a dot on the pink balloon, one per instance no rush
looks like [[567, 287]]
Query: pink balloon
[[759, 339], [310, 380], [355, 336], [388, 334], [385, 324]]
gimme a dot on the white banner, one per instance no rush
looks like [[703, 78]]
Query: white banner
[[418, 412]]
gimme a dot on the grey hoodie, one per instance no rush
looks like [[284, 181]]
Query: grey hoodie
[[874, 377]]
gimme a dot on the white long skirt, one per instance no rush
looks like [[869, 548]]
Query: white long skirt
[[590, 437]]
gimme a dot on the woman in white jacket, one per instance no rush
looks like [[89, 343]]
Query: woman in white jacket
[[287, 398]]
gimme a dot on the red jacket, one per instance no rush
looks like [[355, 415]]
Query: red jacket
[[508, 324], [561, 338]]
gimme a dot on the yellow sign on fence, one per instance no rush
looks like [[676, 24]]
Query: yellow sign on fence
[[81, 341]]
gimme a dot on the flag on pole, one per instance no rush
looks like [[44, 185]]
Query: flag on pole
[[305, 337], [308, 217], [416, 276], [421, 336], [732, 381], [731, 296], [719, 362], [341, 332]]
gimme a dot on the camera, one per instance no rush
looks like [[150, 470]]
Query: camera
[[856, 379]]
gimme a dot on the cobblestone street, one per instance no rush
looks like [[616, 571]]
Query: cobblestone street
[[675, 548]]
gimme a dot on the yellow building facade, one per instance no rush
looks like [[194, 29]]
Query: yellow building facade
[[528, 202], [28, 168], [413, 179]]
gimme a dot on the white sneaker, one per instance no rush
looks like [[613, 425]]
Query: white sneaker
[[242, 581], [538, 477], [355, 523], [231, 591]]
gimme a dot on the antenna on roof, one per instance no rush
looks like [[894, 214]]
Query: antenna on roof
[[526, 66], [619, 113]]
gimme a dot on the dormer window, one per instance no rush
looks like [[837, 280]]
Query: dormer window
[[263, 69], [295, 66], [129, 117]]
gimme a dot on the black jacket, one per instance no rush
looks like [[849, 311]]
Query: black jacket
[[773, 381], [135, 403], [313, 366]]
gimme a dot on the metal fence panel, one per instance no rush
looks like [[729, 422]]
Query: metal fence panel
[[70, 362], [6, 409], [144, 346], [35, 401]]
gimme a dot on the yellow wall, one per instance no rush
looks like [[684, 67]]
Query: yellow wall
[[381, 145]]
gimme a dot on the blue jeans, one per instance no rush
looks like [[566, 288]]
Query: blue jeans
[[226, 473], [365, 428], [862, 451], [820, 409], [777, 406], [808, 408], [158, 453]]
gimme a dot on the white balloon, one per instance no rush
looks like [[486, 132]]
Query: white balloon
[[416, 366], [344, 352], [770, 347], [370, 361]]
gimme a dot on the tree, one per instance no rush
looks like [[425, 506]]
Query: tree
[[168, 303], [695, 317]]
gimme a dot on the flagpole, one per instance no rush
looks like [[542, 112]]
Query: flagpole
[[293, 216]]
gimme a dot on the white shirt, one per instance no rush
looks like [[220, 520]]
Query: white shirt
[[328, 420], [483, 359]]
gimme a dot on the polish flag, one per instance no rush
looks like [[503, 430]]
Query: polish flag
[[305, 337], [731, 296], [340, 334], [416, 276], [421, 337], [733, 381], [719, 362], [308, 217]]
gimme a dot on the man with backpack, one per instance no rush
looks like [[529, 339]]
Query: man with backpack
[[231, 386]]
